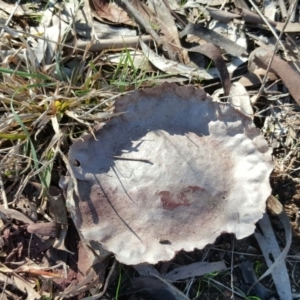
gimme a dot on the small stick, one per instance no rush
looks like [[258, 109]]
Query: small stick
[[3, 194], [132, 159], [183, 23], [292, 7], [282, 6], [131, 10]]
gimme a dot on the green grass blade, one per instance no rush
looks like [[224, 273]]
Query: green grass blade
[[24, 74]]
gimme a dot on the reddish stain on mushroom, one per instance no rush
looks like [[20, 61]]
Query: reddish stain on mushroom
[[171, 201], [195, 188]]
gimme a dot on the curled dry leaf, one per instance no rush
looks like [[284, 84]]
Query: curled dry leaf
[[18, 282], [251, 17], [173, 172], [175, 68], [270, 249], [249, 280], [170, 39], [239, 98], [230, 31], [270, 9], [44, 229], [221, 15], [91, 272], [213, 37], [195, 269], [110, 11], [250, 79], [289, 76], [214, 53], [14, 214]]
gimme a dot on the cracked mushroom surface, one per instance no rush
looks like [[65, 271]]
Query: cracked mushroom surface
[[173, 172]]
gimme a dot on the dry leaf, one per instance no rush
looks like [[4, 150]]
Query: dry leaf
[[249, 278], [221, 15], [173, 67], [250, 79], [20, 283], [14, 214], [44, 229], [91, 272], [169, 30], [215, 38], [240, 99], [289, 76], [195, 269], [290, 27], [214, 53], [270, 248], [110, 11], [270, 10], [252, 17]]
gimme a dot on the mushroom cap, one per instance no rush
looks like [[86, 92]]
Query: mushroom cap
[[173, 172]]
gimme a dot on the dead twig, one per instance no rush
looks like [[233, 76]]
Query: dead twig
[[131, 10], [267, 23], [117, 43], [292, 8], [10, 17], [3, 194], [179, 19], [98, 296]]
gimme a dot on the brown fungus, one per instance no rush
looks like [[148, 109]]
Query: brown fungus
[[173, 172]]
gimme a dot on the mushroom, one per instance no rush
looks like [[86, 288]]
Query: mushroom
[[172, 172]]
